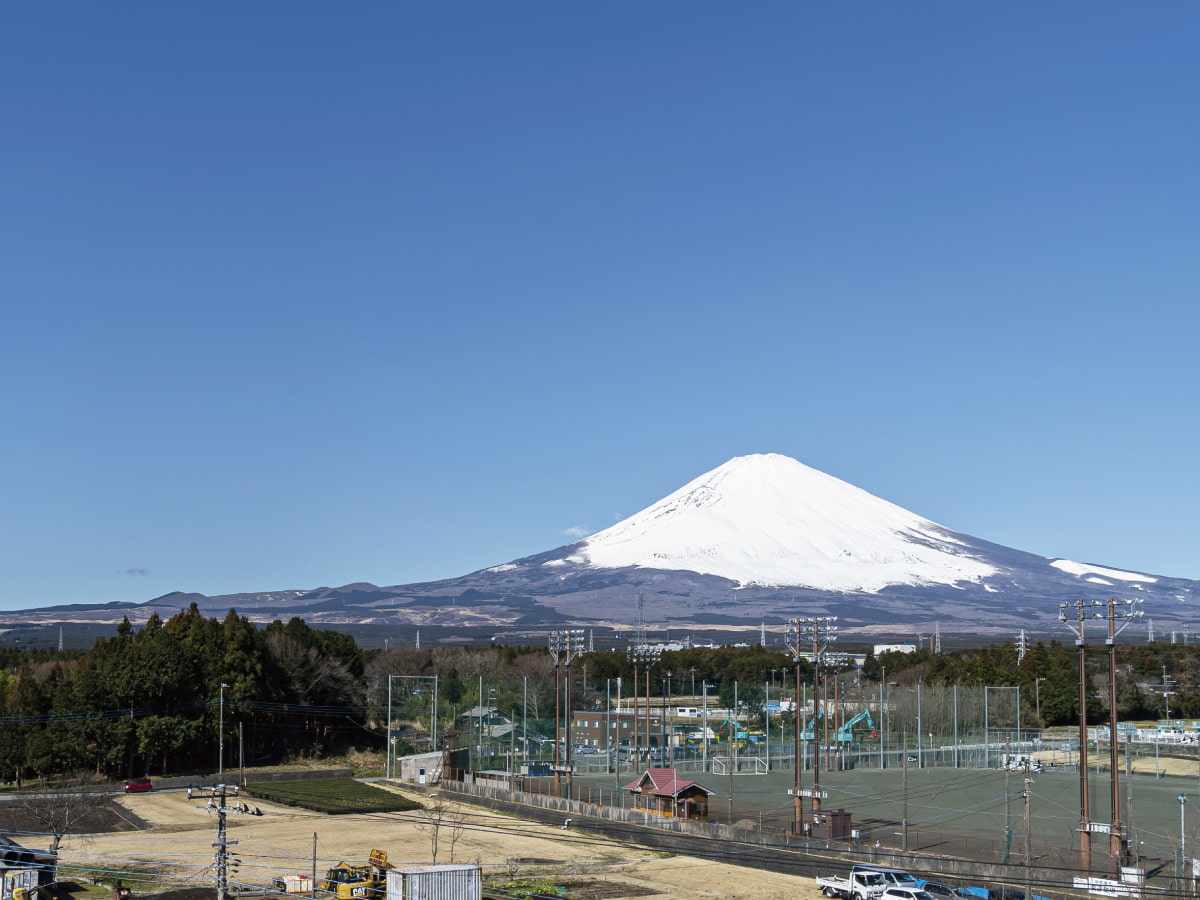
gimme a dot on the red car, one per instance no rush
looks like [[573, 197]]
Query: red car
[[138, 785]]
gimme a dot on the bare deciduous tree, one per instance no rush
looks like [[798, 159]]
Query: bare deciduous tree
[[62, 808], [442, 820]]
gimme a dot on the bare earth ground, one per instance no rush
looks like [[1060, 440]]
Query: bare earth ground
[[178, 846], [1143, 764]]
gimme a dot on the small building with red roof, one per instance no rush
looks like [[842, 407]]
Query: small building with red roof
[[662, 791]]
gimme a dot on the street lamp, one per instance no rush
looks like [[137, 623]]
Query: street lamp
[[221, 733]]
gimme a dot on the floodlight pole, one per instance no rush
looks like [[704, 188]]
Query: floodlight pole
[[792, 639], [1085, 825], [647, 656], [574, 640], [1116, 835], [633, 748], [555, 650], [821, 631]]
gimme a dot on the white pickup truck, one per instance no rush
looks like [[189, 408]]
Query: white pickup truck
[[855, 886], [864, 882]]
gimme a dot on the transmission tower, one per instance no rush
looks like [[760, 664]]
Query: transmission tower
[[1022, 646], [1149, 631], [937, 637], [639, 639]]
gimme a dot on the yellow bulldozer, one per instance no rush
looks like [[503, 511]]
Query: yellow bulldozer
[[346, 881]]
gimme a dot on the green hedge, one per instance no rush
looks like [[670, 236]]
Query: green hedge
[[331, 795]]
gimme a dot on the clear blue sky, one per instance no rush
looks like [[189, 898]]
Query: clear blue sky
[[299, 294]]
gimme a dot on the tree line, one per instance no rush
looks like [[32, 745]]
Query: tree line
[[150, 700]]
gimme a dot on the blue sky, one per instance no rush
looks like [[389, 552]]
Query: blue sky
[[300, 294]]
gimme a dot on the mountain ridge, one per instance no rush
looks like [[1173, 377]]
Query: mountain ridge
[[759, 539]]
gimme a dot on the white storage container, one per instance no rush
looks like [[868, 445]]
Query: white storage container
[[446, 882], [294, 884]]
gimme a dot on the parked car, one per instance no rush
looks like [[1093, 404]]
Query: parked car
[[138, 785], [905, 893], [891, 877], [940, 891]]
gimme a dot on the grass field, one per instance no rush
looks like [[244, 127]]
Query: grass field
[[331, 795]]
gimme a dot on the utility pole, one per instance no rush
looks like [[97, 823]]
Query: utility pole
[[222, 861], [222, 844]]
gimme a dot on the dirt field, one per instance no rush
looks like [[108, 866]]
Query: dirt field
[[178, 847]]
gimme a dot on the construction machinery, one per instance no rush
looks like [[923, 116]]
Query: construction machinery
[[845, 732], [346, 881], [733, 731], [808, 729]]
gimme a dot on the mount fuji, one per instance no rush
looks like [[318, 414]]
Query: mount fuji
[[765, 537], [759, 539]]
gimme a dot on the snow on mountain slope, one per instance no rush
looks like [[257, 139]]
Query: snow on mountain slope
[[769, 520], [1100, 573]]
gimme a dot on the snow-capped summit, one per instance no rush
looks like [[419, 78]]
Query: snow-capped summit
[[769, 520]]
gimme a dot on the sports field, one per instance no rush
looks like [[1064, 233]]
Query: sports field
[[978, 813]]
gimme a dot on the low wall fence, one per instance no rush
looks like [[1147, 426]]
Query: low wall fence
[[927, 857]]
